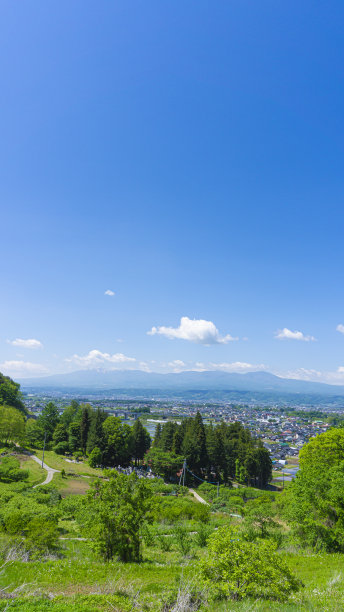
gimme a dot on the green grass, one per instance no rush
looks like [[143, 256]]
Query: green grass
[[57, 462], [82, 582], [74, 484], [36, 473]]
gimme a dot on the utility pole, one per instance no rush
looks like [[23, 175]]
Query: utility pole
[[45, 437]]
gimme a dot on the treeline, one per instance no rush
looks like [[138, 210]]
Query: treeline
[[83, 430], [223, 452]]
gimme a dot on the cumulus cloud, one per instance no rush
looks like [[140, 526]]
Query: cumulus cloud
[[238, 367], [96, 358], [177, 365], [194, 330], [109, 292], [287, 334], [22, 368], [340, 328], [30, 343]]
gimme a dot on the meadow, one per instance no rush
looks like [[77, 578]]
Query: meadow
[[74, 578]]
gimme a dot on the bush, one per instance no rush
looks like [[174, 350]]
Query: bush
[[236, 568], [10, 470], [96, 457], [182, 539], [202, 535], [41, 534], [61, 448]]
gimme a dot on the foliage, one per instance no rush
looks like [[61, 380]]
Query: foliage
[[95, 458], [115, 512], [314, 501], [236, 568], [48, 420], [182, 539], [165, 464], [221, 452], [12, 424], [10, 394], [141, 440], [10, 470], [172, 509], [34, 434]]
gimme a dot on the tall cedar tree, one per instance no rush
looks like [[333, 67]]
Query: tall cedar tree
[[96, 435], [141, 442], [85, 426], [157, 435]]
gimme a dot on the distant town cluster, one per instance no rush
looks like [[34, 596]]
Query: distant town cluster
[[283, 430]]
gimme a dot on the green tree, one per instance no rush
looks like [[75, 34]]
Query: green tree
[[96, 457], [157, 436], [49, 419], [167, 465], [236, 568], [10, 394], [85, 426], [115, 512], [141, 440], [314, 500], [69, 414], [96, 434], [34, 434], [12, 425], [60, 434], [74, 441], [117, 442]]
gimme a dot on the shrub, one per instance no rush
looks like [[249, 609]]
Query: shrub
[[61, 448], [236, 568], [182, 539]]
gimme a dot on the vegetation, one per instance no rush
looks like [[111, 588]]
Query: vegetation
[[220, 453], [102, 540]]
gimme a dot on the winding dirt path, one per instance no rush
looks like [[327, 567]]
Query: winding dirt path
[[50, 471]]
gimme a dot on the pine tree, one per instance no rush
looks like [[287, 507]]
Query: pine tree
[[140, 440], [201, 442], [96, 435], [85, 426], [157, 436]]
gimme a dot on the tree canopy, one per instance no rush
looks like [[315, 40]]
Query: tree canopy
[[10, 393]]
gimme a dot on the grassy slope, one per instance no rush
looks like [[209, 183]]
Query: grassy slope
[[80, 582], [36, 473], [57, 462], [80, 575]]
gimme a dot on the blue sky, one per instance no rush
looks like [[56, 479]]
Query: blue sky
[[189, 158]]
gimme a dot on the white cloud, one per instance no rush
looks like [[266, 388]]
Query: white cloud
[[238, 367], [22, 368], [109, 292], [340, 328], [96, 358], [287, 334], [177, 365], [194, 330], [30, 343]]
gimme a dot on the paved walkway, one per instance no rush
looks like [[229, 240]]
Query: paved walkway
[[50, 471], [198, 497]]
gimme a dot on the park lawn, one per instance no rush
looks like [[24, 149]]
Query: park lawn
[[72, 484], [58, 462], [82, 580], [36, 473]]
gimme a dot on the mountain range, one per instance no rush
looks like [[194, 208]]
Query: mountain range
[[102, 380]]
